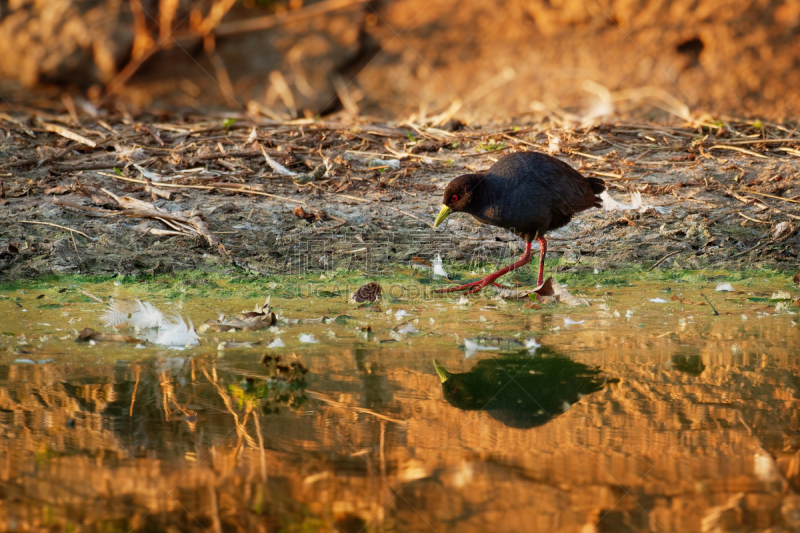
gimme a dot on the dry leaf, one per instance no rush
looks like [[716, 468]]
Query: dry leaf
[[256, 320], [371, 292], [546, 288], [551, 291], [88, 334], [253, 323], [513, 294], [310, 214], [60, 189], [782, 229]]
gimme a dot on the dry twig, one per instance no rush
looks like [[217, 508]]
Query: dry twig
[[57, 226]]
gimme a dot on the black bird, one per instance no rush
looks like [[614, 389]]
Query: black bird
[[527, 192], [520, 391]]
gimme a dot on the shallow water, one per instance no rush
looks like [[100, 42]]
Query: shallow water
[[628, 415]]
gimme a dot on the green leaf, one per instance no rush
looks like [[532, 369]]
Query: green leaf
[[118, 171], [228, 122]]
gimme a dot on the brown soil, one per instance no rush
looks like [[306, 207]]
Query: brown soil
[[736, 57], [728, 194]]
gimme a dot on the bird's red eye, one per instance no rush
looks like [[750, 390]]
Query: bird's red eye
[[454, 198]]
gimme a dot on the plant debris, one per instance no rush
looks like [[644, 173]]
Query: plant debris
[[548, 292], [167, 190], [311, 215], [278, 367], [88, 334], [371, 292], [261, 318]]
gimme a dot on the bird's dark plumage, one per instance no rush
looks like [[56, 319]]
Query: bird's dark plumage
[[528, 193], [521, 391]]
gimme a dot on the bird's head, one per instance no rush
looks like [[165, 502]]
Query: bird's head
[[458, 195]]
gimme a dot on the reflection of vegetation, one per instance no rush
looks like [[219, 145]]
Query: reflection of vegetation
[[285, 385], [260, 3], [691, 364], [518, 390]]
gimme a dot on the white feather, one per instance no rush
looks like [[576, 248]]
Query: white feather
[[554, 144], [134, 313], [438, 269], [609, 204], [173, 331], [146, 316], [531, 345], [471, 347], [277, 167], [277, 343], [113, 317]]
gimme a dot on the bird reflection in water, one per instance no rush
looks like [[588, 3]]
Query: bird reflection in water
[[688, 364], [519, 390]]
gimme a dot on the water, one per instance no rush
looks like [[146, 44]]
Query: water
[[667, 419]]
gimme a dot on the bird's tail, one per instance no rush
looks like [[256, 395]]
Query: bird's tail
[[598, 186]]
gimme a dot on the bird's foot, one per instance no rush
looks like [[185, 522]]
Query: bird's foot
[[485, 282], [475, 286]]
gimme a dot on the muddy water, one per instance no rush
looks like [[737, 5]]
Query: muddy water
[[628, 415]]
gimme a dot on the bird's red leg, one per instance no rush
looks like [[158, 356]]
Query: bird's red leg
[[475, 286], [543, 247], [524, 260], [467, 286]]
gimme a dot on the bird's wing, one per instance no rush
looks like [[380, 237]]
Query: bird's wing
[[567, 191]]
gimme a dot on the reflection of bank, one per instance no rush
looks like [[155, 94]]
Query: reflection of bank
[[519, 390]]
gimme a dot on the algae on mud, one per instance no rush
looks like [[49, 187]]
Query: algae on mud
[[112, 437]]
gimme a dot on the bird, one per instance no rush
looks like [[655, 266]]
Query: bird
[[520, 391], [529, 193]]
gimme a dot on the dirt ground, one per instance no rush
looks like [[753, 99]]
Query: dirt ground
[[396, 57], [718, 195]]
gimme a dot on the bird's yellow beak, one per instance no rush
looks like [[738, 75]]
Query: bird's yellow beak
[[444, 375], [443, 214]]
